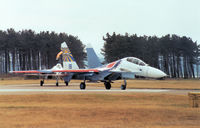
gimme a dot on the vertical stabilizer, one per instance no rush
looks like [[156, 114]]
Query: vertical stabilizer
[[93, 60], [68, 60]]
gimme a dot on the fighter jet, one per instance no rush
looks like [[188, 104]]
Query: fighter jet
[[122, 69]]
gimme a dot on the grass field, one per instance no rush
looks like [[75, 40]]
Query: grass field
[[97, 111], [102, 110]]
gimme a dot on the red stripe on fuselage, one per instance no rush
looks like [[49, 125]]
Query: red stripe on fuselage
[[111, 65], [78, 70], [26, 71]]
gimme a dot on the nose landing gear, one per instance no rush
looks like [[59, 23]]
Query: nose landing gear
[[57, 81], [123, 86]]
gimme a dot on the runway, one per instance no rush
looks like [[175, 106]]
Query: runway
[[78, 90], [74, 89]]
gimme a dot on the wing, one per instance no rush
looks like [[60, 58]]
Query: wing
[[77, 70], [55, 71], [28, 71]]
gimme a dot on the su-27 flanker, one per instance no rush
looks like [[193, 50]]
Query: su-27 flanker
[[126, 68]]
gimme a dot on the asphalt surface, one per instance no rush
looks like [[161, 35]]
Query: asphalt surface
[[52, 89], [78, 90]]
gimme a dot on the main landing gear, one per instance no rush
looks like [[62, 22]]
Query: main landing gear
[[82, 85], [107, 85], [123, 86], [66, 83], [41, 82], [57, 84]]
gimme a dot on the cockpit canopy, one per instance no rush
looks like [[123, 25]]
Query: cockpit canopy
[[136, 61]]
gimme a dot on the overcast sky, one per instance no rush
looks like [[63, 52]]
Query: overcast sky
[[90, 20]]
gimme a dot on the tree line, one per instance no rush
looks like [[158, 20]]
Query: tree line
[[173, 54], [27, 50]]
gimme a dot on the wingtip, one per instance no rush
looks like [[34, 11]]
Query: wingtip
[[10, 72]]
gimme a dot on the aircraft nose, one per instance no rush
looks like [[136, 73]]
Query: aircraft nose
[[156, 73], [162, 74]]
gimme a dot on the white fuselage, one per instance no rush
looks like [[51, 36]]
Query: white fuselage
[[138, 67]]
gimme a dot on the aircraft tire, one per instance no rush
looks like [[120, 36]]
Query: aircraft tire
[[123, 87], [162, 78], [41, 83], [57, 84], [107, 85], [66, 83], [82, 86]]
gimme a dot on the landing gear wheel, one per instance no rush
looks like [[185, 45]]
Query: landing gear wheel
[[82, 85], [41, 83], [107, 85], [57, 84], [123, 87], [66, 83]]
